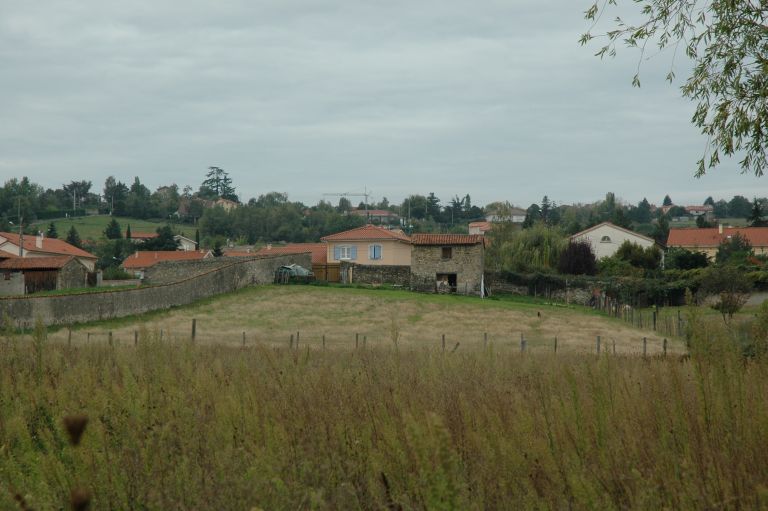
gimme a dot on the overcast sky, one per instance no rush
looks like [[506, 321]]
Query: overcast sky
[[491, 98]]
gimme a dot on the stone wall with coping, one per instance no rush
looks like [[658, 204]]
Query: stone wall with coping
[[397, 275], [80, 308], [11, 283], [166, 272]]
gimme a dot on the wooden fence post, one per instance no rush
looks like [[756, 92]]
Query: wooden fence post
[[110, 337], [555, 344], [365, 341], [135, 337], [443, 342], [614, 346], [69, 337], [522, 343], [664, 346], [645, 346], [297, 339], [598, 344], [194, 328], [89, 337], [654, 321], [357, 340], [243, 339], [323, 341], [485, 339]]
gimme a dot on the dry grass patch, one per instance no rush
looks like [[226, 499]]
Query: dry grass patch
[[271, 314]]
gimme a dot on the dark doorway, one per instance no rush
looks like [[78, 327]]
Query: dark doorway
[[446, 283]]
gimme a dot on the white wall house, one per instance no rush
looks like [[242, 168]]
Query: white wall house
[[606, 238]]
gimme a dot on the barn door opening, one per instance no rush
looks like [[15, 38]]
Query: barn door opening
[[446, 283]]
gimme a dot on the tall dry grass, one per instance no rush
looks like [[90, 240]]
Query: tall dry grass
[[180, 426]]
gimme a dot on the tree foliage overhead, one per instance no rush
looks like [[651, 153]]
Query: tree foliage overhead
[[217, 184], [726, 40]]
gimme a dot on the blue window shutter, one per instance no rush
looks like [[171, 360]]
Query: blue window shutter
[[377, 251], [353, 254], [336, 252]]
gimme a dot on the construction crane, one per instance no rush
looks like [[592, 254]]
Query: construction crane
[[366, 193]]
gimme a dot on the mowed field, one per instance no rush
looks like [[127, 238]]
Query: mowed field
[[270, 315], [92, 227]]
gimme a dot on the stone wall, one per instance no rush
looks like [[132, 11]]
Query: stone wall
[[467, 262], [11, 283], [380, 274], [576, 294], [73, 275], [79, 308], [166, 272]]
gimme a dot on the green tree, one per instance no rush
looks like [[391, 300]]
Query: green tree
[[219, 184], [730, 285], [739, 206], [647, 258], [729, 82], [709, 201], [164, 241], [52, 232], [217, 249], [536, 249], [642, 213], [734, 250], [755, 217], [667, 201], [128, 232], [682, 259], [197, 239], [73, 238], [112, 231]]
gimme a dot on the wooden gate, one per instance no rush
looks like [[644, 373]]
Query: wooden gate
[[40, 280], [326, 272]]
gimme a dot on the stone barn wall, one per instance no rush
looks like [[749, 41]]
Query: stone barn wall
[[467, 262]]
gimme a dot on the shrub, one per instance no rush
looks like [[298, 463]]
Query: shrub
[[730, 285], [578, 259], [682, 259]]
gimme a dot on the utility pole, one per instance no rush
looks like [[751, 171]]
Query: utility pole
[[21, 231]]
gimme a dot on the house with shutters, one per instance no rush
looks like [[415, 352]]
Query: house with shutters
[[369, 245]]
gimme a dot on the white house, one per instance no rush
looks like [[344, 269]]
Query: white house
[[185, 243], [606, 238]]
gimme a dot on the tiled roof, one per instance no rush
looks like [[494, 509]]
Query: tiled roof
[[705, 207], [368, 232], [711, 237], [35, 263], [145, 259], [49, 245], [319, 251], [609, 224], [447, 239]]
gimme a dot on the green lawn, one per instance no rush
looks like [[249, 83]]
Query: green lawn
[[92, 227]]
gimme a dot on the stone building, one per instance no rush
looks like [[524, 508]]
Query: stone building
[[447, 263], [25, 275]]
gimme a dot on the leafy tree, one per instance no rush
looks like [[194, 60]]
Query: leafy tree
[[702, 223], [755, 217], [739, 206], [138, 202], [730, 285], [578, 259], [77, 193], [682, 259], [164, 241], [128, 232], [115, 195], [667, 201], [536, 249], [734, 250], [642, 213], [112, 231], [344, 205], [433, 207], [52, 232], [73, 237], [676, 211], [709, 201], [197, 239], [217, 249], [726, 41], [721, 209], [532, 215], [647, 258]]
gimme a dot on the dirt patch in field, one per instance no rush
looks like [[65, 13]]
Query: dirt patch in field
[[271, 315]]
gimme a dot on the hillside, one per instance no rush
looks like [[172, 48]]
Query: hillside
[[92, 227]]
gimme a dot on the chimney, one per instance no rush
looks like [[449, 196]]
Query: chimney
[[39, 240], [720, 228]]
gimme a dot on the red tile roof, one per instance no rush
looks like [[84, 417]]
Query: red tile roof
[[319, 251], [372, 212], [609, 224], [35, 263], [711, 237], [447, 239], [145, 259], [368, 232], [49, 245], [483, 226]]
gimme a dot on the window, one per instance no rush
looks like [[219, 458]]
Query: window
[[345, 252], [374, 252], [605, 239], [446, 252]]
